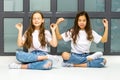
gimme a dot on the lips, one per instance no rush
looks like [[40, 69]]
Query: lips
[[81, 24]]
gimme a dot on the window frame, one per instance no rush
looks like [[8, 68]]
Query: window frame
[[53, 15]]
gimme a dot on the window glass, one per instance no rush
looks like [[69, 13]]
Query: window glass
[[115, 35], [115, 6], [99, 28], [42, 5], [95, 5], [10, 34], [63, 27], [13, 5], [67, 5], [47, 23]]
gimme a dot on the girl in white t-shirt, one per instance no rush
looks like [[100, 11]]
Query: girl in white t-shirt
[[36, 40], [81, 35]]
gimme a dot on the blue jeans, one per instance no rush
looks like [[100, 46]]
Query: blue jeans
[[76, 58], [31, 59], [97, 63]]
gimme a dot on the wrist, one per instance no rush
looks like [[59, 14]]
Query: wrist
[[57, 23], [20, 30], [106, 28]]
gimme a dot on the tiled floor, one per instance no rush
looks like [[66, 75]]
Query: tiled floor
[[110, 72]]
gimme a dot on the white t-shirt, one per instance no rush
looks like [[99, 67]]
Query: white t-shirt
[[82, 44], [36, 43]]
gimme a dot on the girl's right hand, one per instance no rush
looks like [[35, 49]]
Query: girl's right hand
[[19, 26]]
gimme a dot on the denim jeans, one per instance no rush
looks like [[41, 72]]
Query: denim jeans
[[31, 59], [97, 63], [76, 58]]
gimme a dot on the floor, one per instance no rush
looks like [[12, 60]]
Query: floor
[[110, 72]]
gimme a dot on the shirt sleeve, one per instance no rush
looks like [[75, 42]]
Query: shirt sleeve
[[66, 36], [97, 37], [48, 36]]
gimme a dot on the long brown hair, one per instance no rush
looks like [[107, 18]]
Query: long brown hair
[[30, 30], [76, 28]]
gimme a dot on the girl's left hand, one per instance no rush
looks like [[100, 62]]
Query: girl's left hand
[[105, 23], [53, 26]]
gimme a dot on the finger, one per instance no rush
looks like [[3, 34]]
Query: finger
[[52, 25]]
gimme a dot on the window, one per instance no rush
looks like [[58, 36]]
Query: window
[[10, 34], [115, 35], [42, 5], [20, 11], [13, 5], [95, 5], [65, 5]]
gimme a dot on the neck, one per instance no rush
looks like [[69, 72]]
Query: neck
[[36, 28]]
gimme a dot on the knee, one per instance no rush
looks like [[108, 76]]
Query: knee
[[98, 63], [103, 63], [66, 55], [18, 57]]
